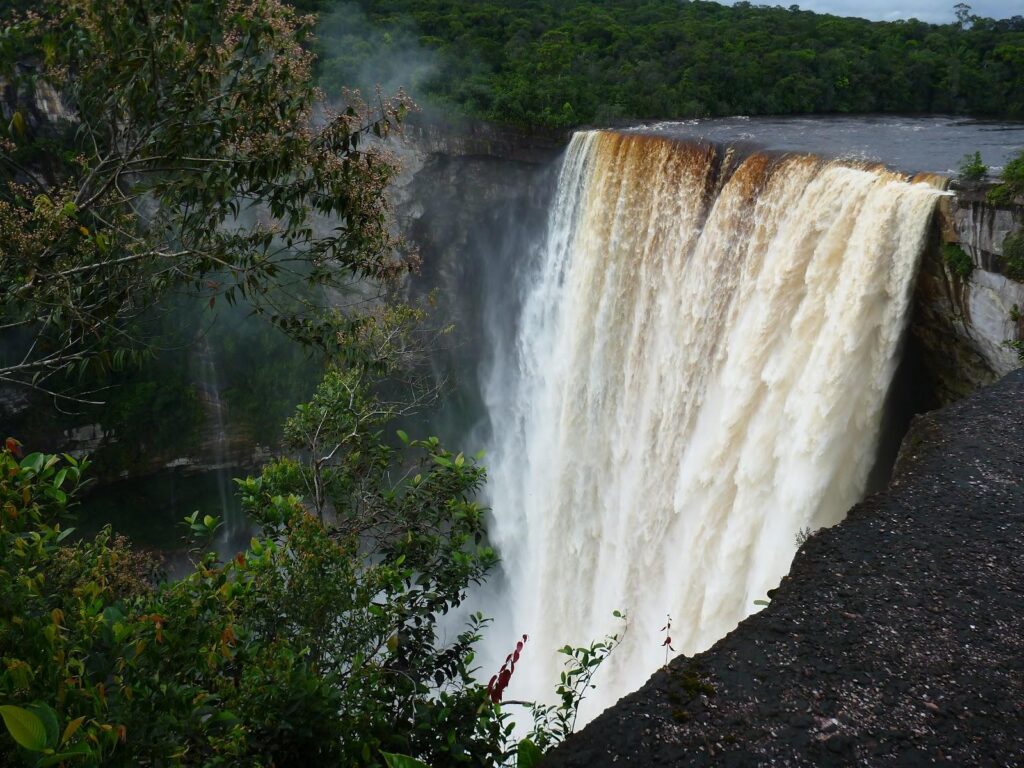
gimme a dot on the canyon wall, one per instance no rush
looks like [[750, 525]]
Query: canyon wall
[[963, 324]]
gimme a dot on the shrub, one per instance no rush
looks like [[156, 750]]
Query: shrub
[[1013, 256], [972, 168], [957, 260], [1012, 185]]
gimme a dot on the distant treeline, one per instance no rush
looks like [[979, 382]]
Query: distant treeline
[[567, 62]]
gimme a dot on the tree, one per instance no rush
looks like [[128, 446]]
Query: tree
[[972, 167], [192, 156], [963, 15], [319, 645]]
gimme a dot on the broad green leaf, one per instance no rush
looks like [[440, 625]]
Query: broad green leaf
[[528, 754], [48, 718], [402, 761], [79, 750], [33, 461], [26, 728]]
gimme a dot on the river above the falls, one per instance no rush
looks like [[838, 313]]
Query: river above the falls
[[926, 144]]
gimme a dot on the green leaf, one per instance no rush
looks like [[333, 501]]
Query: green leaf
[[403, 436], [79, 750], [17, 125], [402, 761], [33, 461], [48, 717], [528, 754], [26, 729]]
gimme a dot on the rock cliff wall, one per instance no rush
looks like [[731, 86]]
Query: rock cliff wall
[[965, 324]]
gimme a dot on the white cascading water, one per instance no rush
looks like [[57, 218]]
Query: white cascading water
[[699, 373]]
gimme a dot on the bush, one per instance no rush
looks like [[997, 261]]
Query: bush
[[302, 650], [319, 645], [957, 259], [972, 168], [1013, 256], [1012, 182]]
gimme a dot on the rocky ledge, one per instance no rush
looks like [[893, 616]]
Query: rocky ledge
[[896, 639]]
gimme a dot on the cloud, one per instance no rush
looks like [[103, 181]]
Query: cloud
[[925, 10]]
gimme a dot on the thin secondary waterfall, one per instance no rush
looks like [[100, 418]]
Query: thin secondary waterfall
[[699, 372], [232, 521]]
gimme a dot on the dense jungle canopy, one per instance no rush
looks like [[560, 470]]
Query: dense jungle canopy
[[569, 62]]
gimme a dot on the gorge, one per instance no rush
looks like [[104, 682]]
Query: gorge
[[693, 282]]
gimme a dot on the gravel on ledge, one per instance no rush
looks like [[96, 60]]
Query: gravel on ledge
[[897, 639]]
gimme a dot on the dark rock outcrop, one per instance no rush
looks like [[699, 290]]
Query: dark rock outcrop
[[896, 639]]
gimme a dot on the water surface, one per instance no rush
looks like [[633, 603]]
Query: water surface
[[933, 144]]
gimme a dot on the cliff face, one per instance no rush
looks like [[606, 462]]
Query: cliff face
[[963, 324], [470, 197], [474, 200], [896, 639]]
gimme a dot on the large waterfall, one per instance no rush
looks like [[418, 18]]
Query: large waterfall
[[699, 372]]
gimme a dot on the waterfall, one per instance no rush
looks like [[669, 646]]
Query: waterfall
[[233, 523], [699, 371]]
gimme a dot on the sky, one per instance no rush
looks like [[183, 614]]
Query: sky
[[936, 11]]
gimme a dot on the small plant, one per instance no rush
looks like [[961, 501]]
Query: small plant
[[972, 168], [36, 731], [667, 629], [552, 724], [803, 535], [1013, 256], [1012, 182], [957, 260]]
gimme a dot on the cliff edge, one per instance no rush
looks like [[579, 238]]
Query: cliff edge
[[896, 639]]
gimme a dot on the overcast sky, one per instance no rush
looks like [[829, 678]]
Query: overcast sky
[[937, 11]]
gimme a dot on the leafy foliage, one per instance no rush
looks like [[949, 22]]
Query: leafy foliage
[[957, 260], [553, 63], [319, 644], [188, 157], [1011, 184], [310, 646], [1013, 256], [972, 168], [553, 723]]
